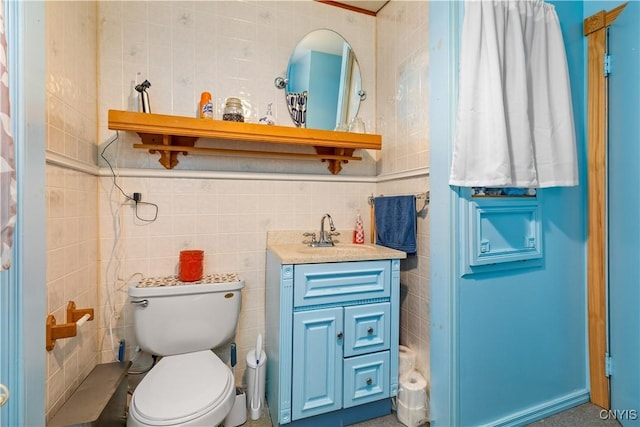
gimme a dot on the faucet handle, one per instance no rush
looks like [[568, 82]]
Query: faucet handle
[[332, 233], [313, 238]]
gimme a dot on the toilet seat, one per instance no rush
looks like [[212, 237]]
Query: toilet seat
[[183, 388]]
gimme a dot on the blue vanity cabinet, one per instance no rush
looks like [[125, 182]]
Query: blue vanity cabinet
[[332, 334]]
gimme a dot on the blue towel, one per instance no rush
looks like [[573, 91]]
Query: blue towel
[[396, 222]]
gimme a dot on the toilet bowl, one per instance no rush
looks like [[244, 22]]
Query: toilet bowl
[[190, 385]]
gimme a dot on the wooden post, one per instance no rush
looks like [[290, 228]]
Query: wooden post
[[595, 28]]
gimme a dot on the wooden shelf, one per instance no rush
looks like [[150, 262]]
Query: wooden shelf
[[172, 135]]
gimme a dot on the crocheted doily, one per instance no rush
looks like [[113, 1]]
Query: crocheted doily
[[175, 280]]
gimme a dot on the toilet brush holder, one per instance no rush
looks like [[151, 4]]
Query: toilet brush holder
[[238, 414]]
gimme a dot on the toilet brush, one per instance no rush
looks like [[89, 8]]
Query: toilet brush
[[255, 396]]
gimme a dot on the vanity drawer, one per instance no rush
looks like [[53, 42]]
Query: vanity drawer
[[366, 378], [367, 328], [341, 282]]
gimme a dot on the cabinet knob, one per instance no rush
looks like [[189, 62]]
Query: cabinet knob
[[369, 381], [370, 330], [340, 335]]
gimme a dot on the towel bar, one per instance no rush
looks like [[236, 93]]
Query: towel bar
[[419, 196]]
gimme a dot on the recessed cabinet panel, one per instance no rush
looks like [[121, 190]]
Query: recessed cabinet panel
[[366, 378], [367, 328], [315, 284], [502, 232], [317, 362]]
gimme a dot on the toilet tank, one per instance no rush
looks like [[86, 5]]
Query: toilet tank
[[170, 320]]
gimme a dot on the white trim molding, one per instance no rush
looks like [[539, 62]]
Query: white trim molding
[[60, 160], [63, 161]]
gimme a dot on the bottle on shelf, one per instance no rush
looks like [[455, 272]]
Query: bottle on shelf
[[206, 106], [268, 118], [145, 105]]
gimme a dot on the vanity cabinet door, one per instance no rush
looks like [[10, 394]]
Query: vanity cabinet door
[[317, 362]]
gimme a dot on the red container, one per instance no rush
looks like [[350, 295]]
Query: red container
[[191, 265]]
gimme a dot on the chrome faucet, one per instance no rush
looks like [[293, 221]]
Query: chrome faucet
[[325, 236]]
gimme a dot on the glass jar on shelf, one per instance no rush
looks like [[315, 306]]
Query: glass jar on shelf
[[233, 111]]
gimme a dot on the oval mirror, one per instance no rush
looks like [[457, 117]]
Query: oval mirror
[[323, 83]]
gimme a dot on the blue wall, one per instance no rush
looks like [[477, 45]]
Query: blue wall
[[324, 83], [507, 347]]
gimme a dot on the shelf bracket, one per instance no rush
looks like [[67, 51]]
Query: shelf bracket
[[168, 158], [335, 165]]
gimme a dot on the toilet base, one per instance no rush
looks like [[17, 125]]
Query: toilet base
[[238, 414]]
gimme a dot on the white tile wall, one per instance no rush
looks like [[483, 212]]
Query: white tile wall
[[403, 111], [403, 86], [72, 272], [72, 217], [72, 79], [227, 218], [228, 48]]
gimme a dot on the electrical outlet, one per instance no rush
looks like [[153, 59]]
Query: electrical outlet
[[137, 197]]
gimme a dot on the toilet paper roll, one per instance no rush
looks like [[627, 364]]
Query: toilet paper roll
[[407, 362], [411, 417], [413, 390]]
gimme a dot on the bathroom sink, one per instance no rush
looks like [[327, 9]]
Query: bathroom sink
[[298, 253]]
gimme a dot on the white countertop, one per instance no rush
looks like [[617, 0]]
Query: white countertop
[[288, 247]]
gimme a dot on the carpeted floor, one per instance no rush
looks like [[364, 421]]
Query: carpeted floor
[[586, 415]]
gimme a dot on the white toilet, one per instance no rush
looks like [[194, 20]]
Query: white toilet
[[190, 385]]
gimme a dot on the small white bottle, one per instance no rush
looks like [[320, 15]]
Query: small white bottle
[[268, 118]]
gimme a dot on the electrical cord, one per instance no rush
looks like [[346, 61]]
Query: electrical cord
[[155, 215], [154, 360], [112, 269], [115, 183]]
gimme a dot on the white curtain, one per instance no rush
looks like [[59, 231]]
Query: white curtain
[[515, 120], [7, 158]]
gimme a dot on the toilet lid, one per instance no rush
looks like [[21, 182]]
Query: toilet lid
[[182, 387]]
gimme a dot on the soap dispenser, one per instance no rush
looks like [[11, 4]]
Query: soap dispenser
[[358, 232]]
